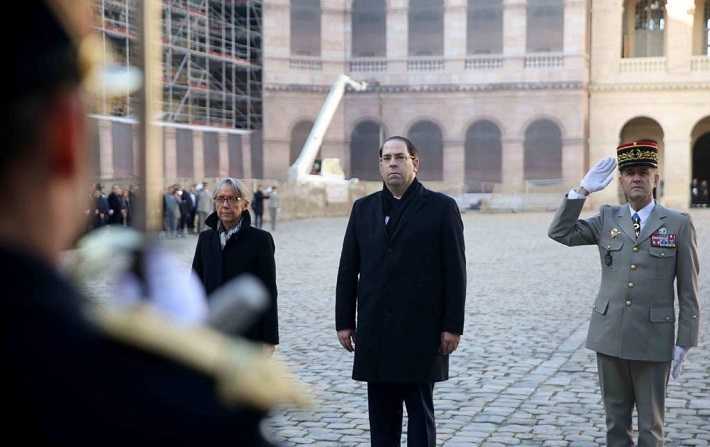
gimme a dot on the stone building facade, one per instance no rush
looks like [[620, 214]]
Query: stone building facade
[[494, 92], [505, 96], [651, 77]]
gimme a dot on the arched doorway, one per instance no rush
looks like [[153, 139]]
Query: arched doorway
[[429, 141], [543, 152], [364, 143], [700, 179], [483, 157], [299, 135], [644, 128]]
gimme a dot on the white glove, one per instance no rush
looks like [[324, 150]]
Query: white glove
[[600, 175], [679, 354]]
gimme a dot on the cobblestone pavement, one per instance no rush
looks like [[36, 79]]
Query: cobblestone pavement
[[521, 375]]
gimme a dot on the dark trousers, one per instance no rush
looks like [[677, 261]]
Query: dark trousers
[[258, 219], [628, 383], [385, 404]]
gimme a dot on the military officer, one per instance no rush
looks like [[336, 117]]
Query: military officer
[[644, 248]]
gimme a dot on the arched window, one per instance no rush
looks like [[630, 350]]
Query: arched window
[[426, 28], [485, 27], [543, 151], [428, 140], [483, 157], [299, 135], [644, 28], [545, 26], [364, 143], [305, 27], [369, 28]]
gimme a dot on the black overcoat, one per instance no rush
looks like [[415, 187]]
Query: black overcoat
[[251, 250], [405, 288]]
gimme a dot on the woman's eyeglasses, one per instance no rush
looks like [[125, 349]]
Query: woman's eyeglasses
[[232, 200]]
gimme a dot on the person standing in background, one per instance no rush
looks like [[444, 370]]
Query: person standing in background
[[205, 206], [273, 204]]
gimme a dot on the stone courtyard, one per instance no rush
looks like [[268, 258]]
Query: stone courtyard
[[521, 375]]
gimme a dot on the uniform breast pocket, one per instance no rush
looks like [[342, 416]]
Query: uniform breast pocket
[[663, 261], [610, 251]]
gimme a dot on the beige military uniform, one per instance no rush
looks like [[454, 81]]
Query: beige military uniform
[[632, 326]]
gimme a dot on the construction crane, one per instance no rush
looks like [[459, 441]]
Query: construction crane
[[300, 171]]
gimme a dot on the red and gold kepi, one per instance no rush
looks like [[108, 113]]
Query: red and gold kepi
[[637, 153]]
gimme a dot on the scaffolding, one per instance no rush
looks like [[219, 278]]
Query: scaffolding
[[212, 60]]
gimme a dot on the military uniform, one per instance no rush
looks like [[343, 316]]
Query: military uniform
[[632, 326]]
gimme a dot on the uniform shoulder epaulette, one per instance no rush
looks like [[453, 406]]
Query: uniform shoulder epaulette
[[243, 373]]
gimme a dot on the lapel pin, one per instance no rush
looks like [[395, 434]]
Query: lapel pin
[[614, 233]]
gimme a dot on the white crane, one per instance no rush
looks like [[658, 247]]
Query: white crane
[[300, 170]]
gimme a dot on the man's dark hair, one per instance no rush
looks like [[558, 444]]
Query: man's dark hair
[[42, 60], [410, 146]]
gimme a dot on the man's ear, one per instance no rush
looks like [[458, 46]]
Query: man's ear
[[65, 134], [416, 162]]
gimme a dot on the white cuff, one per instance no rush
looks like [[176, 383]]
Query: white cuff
[[572, 195]]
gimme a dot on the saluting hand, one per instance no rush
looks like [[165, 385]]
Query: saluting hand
[[346, 339], [600, 175], [449, 342]]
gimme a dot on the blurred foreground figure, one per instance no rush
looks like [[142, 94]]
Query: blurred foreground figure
[[80, 375]]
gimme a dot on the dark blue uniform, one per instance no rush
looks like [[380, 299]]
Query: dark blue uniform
[[66, 383]]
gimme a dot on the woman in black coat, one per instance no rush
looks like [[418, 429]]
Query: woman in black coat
[[230, 247]]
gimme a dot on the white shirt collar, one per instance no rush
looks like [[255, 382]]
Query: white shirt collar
[[644, 212]]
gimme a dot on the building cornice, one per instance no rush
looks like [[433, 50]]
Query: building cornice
[[648, 86], [436, 88]]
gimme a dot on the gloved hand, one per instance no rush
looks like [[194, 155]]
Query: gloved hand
[[679, 354], [600, 175]]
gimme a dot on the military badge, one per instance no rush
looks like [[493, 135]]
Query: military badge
[[614, 233], [663, 239]]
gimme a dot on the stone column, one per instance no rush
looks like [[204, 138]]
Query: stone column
[[575, 34], [333, 33], [454, 165], [246, 156], [679, 35], [572, 161], [677, 169], [198, 156], [105, 149], [513, 165], [170, 149], [223, 140], [397, 35], [455, 34], [514, 32], [607, 32]]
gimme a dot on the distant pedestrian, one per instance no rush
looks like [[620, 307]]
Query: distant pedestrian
[[205, 206], [116, 207], [257, 205], [273, 204]]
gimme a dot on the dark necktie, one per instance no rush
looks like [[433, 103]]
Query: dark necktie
[[637, 224]]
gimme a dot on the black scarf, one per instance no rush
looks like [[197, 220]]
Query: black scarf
[[394, 208]]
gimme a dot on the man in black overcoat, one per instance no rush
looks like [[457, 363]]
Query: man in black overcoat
[[400, 295]]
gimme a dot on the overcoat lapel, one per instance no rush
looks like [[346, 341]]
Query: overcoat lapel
[[412, 210]]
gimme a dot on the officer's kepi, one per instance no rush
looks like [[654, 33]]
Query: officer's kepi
[[637, 153]]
